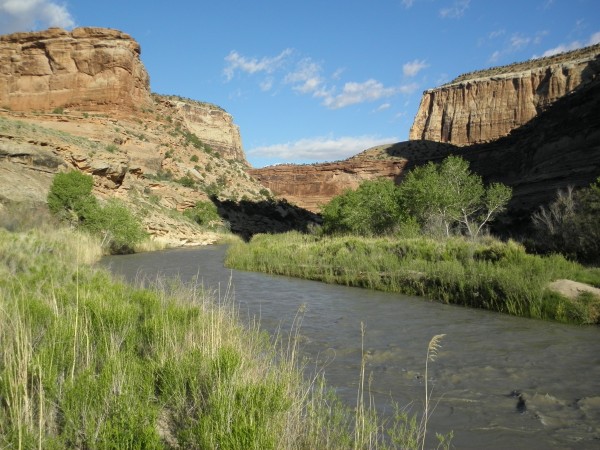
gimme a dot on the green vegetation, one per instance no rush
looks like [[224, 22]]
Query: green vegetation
[[88, 362], [438, 200], [70, 198], [571, 224], [450, 198], [485, 274], [431, 243], [204, 213]]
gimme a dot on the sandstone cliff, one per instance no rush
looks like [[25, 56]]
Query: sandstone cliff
[[88, 67], [311, 186], [81, 100], [485, 105], [211, 122]]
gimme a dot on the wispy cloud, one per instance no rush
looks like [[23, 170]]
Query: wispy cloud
[[592, 40], [368, 91], [514, 43], [237, 62], [408, 3], [456, 11], [322, 148], [412, 68], [306, 78], [383, 107], [28, 15]]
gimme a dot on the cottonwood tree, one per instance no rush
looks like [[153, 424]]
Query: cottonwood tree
[[372, 209], [450, 196]]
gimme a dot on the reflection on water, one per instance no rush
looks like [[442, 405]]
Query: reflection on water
[[502, 382]]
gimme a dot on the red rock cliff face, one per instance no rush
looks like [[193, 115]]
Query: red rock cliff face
[[483, 106], [91, 67], [311, 186]]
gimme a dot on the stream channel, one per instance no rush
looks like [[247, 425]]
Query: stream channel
[[500, 382]]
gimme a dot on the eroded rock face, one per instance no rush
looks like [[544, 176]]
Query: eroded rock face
[[312, 186], [91, 67], [211, 123], [485, 105]]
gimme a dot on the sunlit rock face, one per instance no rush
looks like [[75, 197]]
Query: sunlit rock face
[[485, 105], [88, 67]]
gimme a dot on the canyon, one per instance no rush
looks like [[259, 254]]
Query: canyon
[[531, 125], [81, 100]]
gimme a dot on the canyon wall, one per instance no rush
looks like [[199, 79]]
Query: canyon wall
[[213, 125], [311, 186], [485, 105], [89, 67]]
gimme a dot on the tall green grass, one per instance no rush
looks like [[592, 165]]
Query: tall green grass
[[90, 362], [485, 274]]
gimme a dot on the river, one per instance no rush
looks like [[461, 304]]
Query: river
[[500, 382]]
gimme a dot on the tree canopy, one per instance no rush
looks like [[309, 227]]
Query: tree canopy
[[441, 198]]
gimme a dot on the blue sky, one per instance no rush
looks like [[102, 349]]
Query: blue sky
[[311, 81]]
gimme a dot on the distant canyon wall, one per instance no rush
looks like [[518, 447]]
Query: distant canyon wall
[[485, 105], [312, 186], [91, 67]]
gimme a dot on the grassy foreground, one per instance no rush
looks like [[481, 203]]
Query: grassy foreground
[[486, 274], [89, 362]]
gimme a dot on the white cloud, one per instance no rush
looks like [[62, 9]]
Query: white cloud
[[320, 148], [383, 107], [456, 11], [408, 3], [412, 68], [592, 40], [28, 15], [368, 91], [306, 78], [235, 62]]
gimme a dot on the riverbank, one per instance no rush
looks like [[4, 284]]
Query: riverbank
[[90, 362], [486, 274]]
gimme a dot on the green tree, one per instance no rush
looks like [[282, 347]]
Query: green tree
[[70, 197], [450, 197], [372, 209]]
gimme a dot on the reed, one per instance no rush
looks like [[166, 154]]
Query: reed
[[87, 361], [486, 274]]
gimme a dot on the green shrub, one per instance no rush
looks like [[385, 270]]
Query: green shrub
[[186, 181], [372, 209], [70, 197], [194, 158], [203, 213]]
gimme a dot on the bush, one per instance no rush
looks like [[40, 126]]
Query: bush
[[70, 197], [372, 209], [570, 224], [203, 213], [119, 229]]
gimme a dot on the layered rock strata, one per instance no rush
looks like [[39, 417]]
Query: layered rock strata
[[89, 67], [485, 105], [311, 186], [212, 124]]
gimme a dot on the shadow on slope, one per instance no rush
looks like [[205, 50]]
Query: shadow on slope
[[247, 218]]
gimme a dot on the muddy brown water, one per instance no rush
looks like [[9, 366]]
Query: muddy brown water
[[499, 382]]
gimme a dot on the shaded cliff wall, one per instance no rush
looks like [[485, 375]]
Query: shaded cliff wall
[[485, 105], [93, 67], [311, 186]]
